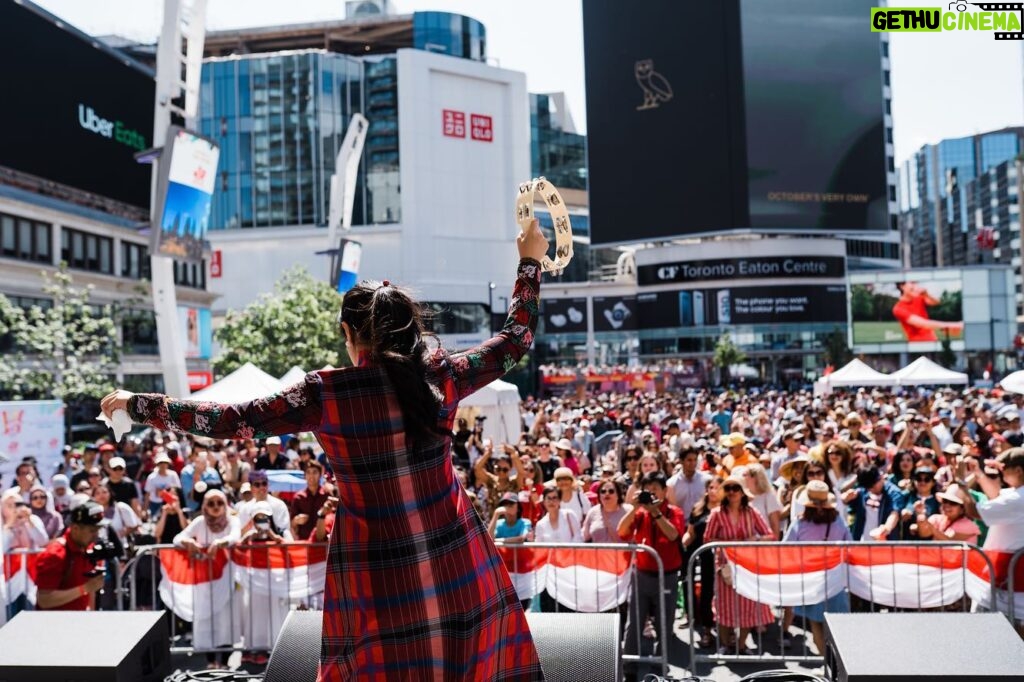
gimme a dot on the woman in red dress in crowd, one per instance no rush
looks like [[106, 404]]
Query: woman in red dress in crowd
[[415, 588]]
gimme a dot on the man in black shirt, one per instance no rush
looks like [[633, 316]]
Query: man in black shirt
[[121, 487], [273, 459]]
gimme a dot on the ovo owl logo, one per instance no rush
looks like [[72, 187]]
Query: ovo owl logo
[[656, 88]]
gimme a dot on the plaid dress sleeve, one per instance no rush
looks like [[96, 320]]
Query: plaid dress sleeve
[[297, 408], [475, 368]]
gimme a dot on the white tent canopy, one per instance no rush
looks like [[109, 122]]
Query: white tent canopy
[[923, 372], [499, 402], [248, 382], [1014, 383], [854, 373], [293, 376]]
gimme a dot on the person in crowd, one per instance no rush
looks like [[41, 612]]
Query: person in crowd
[[763, 496], [737, 455], [791, 440], [601, 523], [171, 520], [403, 454], [161, 484], [653, 522], [693, 540], [876, 507], [557, 525], [508, 524], [630, 465], [308, 501], [123, 519], [648, 463], [919, 500], [22, 529], [531, 506], [213, 530], [262, 616], [735, 521], [688, 484], [65, 579], [60, 488], [902, 472], [792, 477], [198, 469], [564, 449], [854, 424], [39, 502], [233, 471], [260, 484], [273, 458], [952, 523], [585, 442], [492, 485], [121, 487], [572, 498], [90, 459], [819, 522], [546, 461], [839, 460]]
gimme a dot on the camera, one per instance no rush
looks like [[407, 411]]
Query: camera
[[104, 549], [645, 497]]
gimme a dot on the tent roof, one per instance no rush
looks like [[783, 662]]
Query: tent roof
[[924, 371], [856, 373], [497, 392], [293, 376], [248, 382]]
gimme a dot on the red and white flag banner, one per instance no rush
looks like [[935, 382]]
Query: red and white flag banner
[[585, 580], [295, 572], [895, 575], [194, 588], [18, 578]]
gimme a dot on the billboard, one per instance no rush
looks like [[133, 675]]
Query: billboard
[[188, 176], [733, 115], [792, 304], [31, 427], [76, 112], [564, 315], [615, 313], [916, 308], [196, 325]]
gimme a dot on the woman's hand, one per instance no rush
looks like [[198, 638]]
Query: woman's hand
[[532, 243], [118, 400]]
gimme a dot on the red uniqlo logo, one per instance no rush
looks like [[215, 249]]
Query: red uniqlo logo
[[215, 267], [481, 127], [454, 123]]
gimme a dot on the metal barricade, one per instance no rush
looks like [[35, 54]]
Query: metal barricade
[[768, 583], [1011, 586], [236, 599], [19, 589], [529, 563]]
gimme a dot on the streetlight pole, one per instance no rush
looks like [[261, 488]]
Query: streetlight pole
[[490, 307]]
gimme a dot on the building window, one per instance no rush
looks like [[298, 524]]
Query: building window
[[25, 239], [190, 274], [138, 332], [135, 261], [87, 251]]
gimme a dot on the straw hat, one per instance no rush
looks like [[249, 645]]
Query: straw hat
[[817, 494], [786, 470], [738, 481], [950, 494]]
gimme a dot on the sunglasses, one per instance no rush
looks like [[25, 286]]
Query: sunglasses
[[924, 479], [815, 473], [116, 469], [551, 498], [37, 497], [564, 478], [632, 459], [732, 489], [214, 505], [607, 491], [258, 484], [503, 470]]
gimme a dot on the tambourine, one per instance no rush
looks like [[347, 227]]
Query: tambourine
[[559, 216]]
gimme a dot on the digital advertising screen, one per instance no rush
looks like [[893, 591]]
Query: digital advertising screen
[[908, 311], [733, 115], [615, 313], [564, 315], [196, 324], [742, 305], [188, 176], [75, 113]]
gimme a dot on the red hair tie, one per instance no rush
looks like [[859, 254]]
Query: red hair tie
[[386, 282]]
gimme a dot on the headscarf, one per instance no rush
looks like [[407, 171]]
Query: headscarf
[[215, 524]]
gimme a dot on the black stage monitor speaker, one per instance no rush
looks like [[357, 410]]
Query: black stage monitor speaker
[[85, 646], [967, 647], [571, 646]]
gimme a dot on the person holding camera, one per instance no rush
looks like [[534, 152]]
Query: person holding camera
[[66, 577], [652, 521]]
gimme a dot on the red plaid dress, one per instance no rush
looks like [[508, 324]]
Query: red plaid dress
[[415, 587]]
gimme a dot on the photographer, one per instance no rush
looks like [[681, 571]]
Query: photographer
[[66, 577]]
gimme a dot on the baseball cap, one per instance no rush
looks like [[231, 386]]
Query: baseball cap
[[732, 440], [162, 458], [107, 447], [89, 514], [60, 481], [274, 440], [509, 498], [263, 508], [244, 488], [116, 462], [563, 444]]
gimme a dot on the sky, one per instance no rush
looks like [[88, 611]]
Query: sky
[[943, 84]]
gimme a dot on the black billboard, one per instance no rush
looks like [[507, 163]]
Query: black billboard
[[74, 113], [733, 115], [753, 267], [615, 313], [564, 315], [742, 305]]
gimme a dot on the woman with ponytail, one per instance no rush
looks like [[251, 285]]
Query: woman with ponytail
[[415, 588]]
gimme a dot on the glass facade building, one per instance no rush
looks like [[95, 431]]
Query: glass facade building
[[558, 155], [451, 34]]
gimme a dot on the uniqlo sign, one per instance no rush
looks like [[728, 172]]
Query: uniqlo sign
[[481, 128], [454, 123], [215, 264]]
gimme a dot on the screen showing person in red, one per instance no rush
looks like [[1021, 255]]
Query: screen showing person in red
[[911, 310]]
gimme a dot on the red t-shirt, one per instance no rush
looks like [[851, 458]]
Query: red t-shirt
[[904, 309], [62, 565], [645, 533]]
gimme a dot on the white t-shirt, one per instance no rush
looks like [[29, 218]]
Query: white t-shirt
[[579, 504], [1004, 517], [197, 529], [871, 520], [568, 529], [155, 483], [767, 504]]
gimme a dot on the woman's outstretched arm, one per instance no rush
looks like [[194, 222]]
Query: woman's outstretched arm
[[475, 368], [297, 408]]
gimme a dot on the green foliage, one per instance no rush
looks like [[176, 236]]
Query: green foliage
[[67, 352], [295, 325], [837, 353], [727, 354], [947, 358]]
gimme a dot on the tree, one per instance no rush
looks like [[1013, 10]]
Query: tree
[[947, 358], [837, 353], [295, 325], [727, 354], [68, 351]]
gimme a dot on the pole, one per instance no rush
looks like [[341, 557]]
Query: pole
[[490, 307]]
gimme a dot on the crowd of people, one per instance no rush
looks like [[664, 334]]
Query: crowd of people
[[673, 471]]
